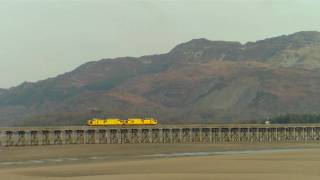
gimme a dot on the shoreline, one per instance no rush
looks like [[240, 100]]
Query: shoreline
[[15, 157]]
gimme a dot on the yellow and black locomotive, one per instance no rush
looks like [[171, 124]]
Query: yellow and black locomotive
[[119, 122]]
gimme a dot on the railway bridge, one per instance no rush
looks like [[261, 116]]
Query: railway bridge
[[223, 133]]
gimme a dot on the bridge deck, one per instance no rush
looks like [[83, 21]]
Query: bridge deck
[[170, 126]]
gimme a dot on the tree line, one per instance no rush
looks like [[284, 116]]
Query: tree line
[[295, 119]]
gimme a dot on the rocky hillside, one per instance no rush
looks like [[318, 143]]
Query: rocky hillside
[[2, 91], [197, 81]]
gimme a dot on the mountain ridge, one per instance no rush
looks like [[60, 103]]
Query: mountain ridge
[[197, 81]]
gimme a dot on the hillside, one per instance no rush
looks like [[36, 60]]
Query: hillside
[[197, 81], [2, 91]]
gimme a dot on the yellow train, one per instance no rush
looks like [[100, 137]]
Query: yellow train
[[119, 122]]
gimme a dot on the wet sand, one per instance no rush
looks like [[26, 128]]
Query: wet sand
[[117, 162]]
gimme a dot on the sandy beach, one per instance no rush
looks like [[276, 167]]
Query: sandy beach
[[201, 161]]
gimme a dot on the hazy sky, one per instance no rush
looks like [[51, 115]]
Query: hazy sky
[[44, 38]]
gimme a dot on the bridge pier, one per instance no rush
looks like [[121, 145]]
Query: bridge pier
[[79, 137], [69, 138], [58, 137], [21, 139], [46, 139]]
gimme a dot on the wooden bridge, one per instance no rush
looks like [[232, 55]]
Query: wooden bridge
[[224, 133]]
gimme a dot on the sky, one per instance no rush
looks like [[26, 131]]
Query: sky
[[44, 38]]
